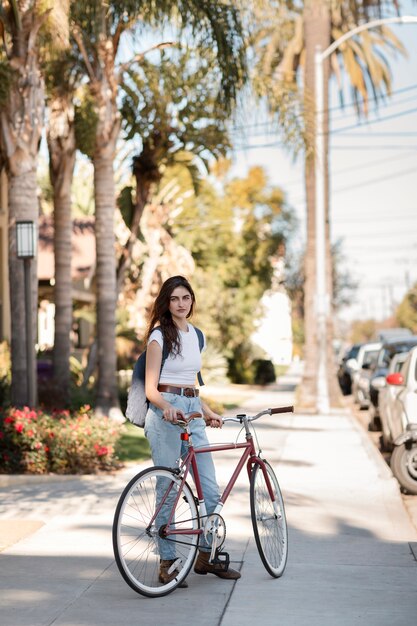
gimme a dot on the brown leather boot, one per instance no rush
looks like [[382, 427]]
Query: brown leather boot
[[165, 577], [218, 568]]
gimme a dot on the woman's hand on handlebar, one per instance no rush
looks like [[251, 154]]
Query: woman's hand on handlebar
[[214, 420], [172, 414]]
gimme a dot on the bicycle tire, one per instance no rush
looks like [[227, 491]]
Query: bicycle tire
[[137, 547], [269, 521]]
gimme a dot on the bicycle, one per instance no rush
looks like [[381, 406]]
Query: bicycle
[[158, 506]]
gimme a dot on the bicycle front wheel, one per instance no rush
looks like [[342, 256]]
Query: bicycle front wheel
[[268, 520], [139, 531]]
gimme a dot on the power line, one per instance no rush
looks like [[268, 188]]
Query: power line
[[375, 147], [345, 170], [280, 144], [393, 218], [376, 180], [373, 99], [336, 131], [384, 134], [378, 248], [338, 108], [386, 105], [389, 261], [377, 235], [367, 183]]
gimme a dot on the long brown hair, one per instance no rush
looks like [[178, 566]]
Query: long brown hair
[[161, 316]]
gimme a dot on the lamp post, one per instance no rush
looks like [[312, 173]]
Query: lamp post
[[322, 295], [26, 246]]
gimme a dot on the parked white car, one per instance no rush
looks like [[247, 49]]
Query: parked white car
[[367, 355], [404, 423], [386, 401]]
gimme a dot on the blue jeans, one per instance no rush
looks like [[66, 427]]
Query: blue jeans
[[167, 448]]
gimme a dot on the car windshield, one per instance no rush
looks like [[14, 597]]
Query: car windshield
[[353, 352], [370, 356], [398, 365], [386, 353]]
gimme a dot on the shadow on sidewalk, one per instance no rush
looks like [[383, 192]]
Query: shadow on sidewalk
[[349, 571]]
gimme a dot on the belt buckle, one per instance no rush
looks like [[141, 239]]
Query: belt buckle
[[188, 392]]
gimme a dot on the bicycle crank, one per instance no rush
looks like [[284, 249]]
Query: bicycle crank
[[215, 533]]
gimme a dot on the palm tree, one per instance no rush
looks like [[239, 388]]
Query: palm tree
[[23, 22], [180, 122], [97, 28], [61, 79], [320, 24]]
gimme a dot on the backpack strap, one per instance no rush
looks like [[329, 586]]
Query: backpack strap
[[201, 345]]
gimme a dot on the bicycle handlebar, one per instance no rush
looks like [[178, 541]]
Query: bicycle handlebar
[[282, 409], [252, 418], [238, 418]]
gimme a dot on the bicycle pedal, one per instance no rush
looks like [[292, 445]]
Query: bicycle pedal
[[223, 559]]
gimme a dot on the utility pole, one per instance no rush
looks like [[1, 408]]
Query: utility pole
[[322, 297]]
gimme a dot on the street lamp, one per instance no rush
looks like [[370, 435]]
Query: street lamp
[[322, 295], [26, 247]]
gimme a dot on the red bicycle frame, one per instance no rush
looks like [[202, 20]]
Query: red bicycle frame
[[249, 457]]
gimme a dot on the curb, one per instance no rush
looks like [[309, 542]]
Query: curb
[[17, 480], [383, 468]]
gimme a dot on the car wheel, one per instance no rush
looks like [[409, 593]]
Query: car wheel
[[363, 404], [374, 425], [404, 466], [385, 443], [374, 420]]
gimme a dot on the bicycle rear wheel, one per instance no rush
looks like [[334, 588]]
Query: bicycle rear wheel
[[139, 541], [269, 521]]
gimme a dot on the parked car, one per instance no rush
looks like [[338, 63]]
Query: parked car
[[346, 367], [380, 371], [386, 400], [390, 334], [367, 356], [404, 424]]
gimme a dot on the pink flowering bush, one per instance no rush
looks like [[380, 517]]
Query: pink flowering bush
[[35, 442]]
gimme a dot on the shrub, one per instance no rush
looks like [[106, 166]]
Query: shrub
[[264, 372], [35, 442]]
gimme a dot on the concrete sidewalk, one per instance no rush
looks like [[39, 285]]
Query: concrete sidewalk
[[352, 558]]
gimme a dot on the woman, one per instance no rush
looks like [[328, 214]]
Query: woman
[[165, 391]]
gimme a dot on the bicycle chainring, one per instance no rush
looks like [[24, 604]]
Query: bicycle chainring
[[215, 531]]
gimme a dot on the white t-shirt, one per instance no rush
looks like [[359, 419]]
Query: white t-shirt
[[182, 368]]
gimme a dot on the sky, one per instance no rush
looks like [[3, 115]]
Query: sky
[[373, 170]]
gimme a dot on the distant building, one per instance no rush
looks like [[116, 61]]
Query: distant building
[[274, 334], [83, 262]]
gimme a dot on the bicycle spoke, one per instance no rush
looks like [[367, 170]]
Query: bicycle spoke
[[138, 539], [268, 520]]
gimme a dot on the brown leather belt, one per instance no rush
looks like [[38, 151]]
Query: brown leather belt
[[188, 392]]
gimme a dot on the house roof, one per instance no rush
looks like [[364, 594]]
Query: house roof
[[83, 248]]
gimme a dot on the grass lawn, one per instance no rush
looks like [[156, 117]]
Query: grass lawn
[[133, 445]]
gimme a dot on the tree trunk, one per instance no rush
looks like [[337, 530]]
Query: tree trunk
[[22, 194], [316, 32], [104, 190], [62, 150], [21, 122], [103, 88]]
